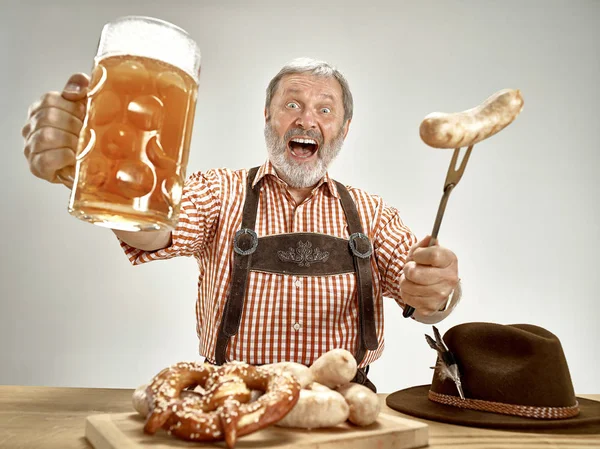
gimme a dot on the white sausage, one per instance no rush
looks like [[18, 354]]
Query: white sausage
[[255, 394], [334, 368], [140, 401], [317, 409], [301, 372], [316, 386], [364, 403], [462, 129]]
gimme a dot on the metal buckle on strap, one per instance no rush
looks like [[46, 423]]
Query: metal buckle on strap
[[236, 239], [355, 251]]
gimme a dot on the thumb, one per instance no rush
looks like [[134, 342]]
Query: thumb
[[76, 87], [423, 243]]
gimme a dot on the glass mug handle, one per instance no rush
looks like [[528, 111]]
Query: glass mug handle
[[66, 175]]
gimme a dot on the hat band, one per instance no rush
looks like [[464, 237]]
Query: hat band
[[527, 411]]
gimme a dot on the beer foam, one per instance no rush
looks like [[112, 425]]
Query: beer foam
[[150, 38]]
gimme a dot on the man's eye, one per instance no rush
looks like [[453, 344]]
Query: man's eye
[[325, 110], [292, 105]]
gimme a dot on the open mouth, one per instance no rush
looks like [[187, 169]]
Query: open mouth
[[303, 147]]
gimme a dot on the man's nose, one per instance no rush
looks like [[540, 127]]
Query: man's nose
[[307, 120]]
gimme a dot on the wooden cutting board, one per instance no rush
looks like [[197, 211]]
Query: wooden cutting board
[[124, 431]]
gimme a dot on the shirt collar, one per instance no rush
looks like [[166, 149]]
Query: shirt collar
[[268, 169]]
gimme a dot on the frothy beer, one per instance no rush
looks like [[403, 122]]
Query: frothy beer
[[134, 144]]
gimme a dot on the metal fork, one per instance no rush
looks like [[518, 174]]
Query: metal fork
[[452, 178]]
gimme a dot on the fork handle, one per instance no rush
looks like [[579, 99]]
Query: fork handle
[[409, 310], [440, 214]]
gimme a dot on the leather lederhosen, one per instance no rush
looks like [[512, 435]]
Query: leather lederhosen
[[301, 254]]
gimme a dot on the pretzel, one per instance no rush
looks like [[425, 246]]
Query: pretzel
[[224, 411]]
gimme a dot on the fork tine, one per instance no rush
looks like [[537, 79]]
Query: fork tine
[[464, 161], [454, 159], [454, 174], [451, 174]]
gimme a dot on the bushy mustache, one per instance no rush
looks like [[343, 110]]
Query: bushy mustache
[[312, 133]]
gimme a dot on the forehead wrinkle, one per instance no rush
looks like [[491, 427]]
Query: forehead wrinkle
[[316, 86], [296, 91]]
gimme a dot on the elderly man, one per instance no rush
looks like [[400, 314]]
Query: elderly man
[[292, 263]]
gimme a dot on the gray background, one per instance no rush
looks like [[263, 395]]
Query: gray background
[[523, 221]]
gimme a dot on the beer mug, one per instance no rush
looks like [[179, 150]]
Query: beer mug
[[134, 145]]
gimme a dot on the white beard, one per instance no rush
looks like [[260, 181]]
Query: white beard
[[301, 174]]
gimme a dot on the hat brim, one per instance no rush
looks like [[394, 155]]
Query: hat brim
[[415, 402]]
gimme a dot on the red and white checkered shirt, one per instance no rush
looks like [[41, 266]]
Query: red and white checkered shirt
[[285, 317]]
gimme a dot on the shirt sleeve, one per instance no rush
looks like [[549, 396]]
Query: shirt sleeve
[[392, 240], [198, 218]]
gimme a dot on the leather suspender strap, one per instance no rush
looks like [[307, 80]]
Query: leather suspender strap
[[361, 249], [244, 244]]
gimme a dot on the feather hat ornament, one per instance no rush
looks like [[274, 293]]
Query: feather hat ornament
[[446, 362]]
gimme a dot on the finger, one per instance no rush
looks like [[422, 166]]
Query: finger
[[48, 138], [423, 243], [66, 175], [33, 106], [46, 165], [55, 100], [424, 275], [424, 304], [56, 118], [439, 291], [25, 130], [435, 256], [27, 127], [77, 87]]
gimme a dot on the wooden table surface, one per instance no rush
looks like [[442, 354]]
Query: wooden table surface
[[53, 417]]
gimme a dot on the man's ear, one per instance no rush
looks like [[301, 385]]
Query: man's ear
[[346, 127], [267, 117]]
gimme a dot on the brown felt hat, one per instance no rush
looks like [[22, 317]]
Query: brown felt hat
[[514, 377]]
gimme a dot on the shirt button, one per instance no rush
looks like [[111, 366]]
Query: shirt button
[[296, 326], [298, 283]]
